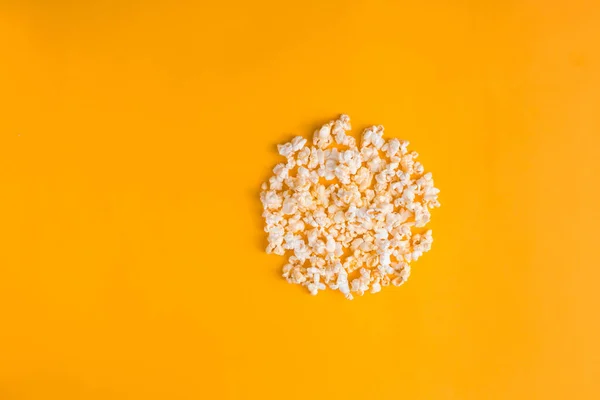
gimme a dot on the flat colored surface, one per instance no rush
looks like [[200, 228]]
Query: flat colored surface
[[133, 140]]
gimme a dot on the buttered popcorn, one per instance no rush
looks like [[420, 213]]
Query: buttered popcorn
[[347, 215]]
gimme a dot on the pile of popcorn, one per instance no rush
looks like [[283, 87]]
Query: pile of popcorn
[[347, 215]]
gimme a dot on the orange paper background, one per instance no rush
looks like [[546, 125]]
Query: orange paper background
[[133, 140]]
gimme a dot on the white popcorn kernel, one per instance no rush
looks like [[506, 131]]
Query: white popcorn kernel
[[403, 146], [342, 284], [298, 142], [376, 287], [408, 195], [315, 286], [275, 184], [402, 276], [271, 200], [302, 252], [281, 171], [322, 137], [340, 136], [330, 246], [381, 234], [285, 149], [431, 194], [303, 156], [296, 226], [393, 147], [376, 137], [372, 261], [289, 206], [287, 268]]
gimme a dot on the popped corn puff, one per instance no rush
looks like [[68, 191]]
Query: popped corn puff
[[339, 210]]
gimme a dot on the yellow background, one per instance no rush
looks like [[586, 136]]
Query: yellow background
[[133, 140]]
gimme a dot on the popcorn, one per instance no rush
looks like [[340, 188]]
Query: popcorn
[[298, 142], [285, 149], [336, 208]]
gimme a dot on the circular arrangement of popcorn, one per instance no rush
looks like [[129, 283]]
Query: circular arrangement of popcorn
[[348, 215]]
